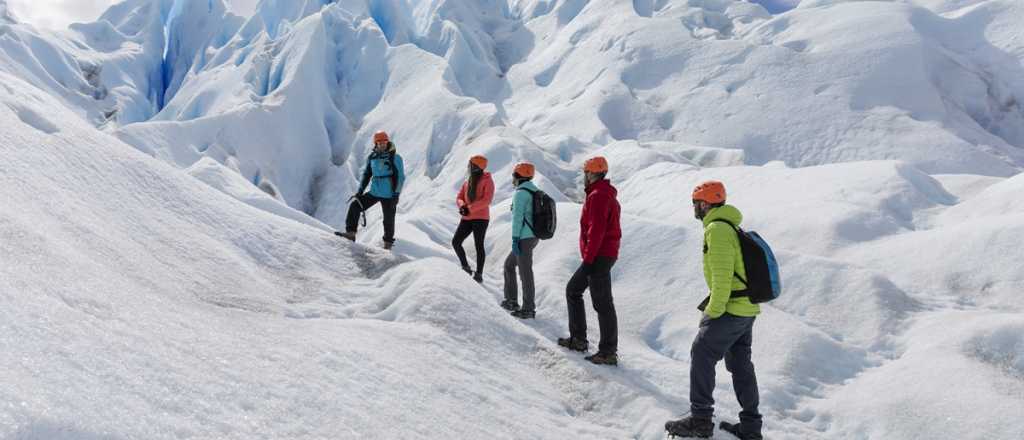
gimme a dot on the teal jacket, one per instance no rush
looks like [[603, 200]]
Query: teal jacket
[[722, 262], [384, 174], [522, 211]]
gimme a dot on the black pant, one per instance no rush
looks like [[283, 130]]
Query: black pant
[[728, 336], [479, 230], [365, 202], [600, 284]]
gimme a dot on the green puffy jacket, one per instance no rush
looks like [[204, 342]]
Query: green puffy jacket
[[722, 262]]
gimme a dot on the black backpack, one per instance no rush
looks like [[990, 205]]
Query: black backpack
[[545, 218], [763, 281]]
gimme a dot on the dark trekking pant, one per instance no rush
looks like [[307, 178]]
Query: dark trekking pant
[[524, 261], [365, 202], [479, 230], [600, 283], [728, 336]]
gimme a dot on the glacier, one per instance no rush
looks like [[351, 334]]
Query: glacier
[[174, 171]]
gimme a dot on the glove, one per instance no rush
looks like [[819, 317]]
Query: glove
[[396, 197], [515, 247], [464, 210]]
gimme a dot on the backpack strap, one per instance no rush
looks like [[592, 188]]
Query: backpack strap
[[394, 172], [525, 221], [738, 230]]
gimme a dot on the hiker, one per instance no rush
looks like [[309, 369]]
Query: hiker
[[523, 242], [474, 202], [385, 176], [727, 323], [600, 236]]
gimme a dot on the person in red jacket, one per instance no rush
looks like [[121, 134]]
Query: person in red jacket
[[600, 236], [474, 202]]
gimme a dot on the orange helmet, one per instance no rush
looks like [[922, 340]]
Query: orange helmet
[[479, 161], [712, 192], [380, 136], [524, 169], [596, 165]]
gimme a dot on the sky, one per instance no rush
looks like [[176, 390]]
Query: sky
[[58, 14]]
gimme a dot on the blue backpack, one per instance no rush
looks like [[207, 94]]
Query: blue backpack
[[763, 281]]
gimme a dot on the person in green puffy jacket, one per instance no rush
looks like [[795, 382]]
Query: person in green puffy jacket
[[726, 326]]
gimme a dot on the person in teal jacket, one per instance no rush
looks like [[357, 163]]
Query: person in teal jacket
[[523, 243], [385, 176], [726, 326]]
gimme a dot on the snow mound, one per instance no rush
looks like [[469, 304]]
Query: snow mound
[[838, 205], [999, 199], [1002, 347]]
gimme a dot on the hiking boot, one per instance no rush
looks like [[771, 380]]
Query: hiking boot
[[351, 236], [691, 426], [574, 344], [737, 430], [509, 305], [603, 358], [388, 245], [478, 277], [467, 270], [524, 314]]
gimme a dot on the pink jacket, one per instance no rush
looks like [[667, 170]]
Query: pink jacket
[[479, 209]]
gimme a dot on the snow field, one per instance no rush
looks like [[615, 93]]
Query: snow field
[[139, 303]]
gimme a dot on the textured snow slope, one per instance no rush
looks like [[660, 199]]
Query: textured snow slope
[[139, 303], [188, 286]]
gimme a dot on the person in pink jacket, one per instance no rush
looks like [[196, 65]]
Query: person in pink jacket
[[474, 202]]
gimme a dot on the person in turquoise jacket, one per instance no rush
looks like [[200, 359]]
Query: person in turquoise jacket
[[385, 176], [726, 326], [523, 243]]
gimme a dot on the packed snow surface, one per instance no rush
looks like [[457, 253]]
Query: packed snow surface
[[173, 173]]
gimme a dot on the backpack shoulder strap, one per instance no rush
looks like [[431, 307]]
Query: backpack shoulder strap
[[722, 220], [738, 230], [526, 222]]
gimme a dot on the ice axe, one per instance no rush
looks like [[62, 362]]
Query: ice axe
[[362, 209]]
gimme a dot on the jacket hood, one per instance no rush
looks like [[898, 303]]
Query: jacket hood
[[726, 212]]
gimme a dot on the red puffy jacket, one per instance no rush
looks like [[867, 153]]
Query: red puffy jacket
[[479, 209], [600, 233]]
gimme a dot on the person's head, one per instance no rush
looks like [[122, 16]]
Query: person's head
[[381, 141], [522, 172], [707, 196], [595, 169], [477, 164]]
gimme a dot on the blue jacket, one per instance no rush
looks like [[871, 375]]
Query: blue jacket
[[384, 174], [522, 211]]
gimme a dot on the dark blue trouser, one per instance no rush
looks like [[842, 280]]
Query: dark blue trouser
[[728, 336]]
